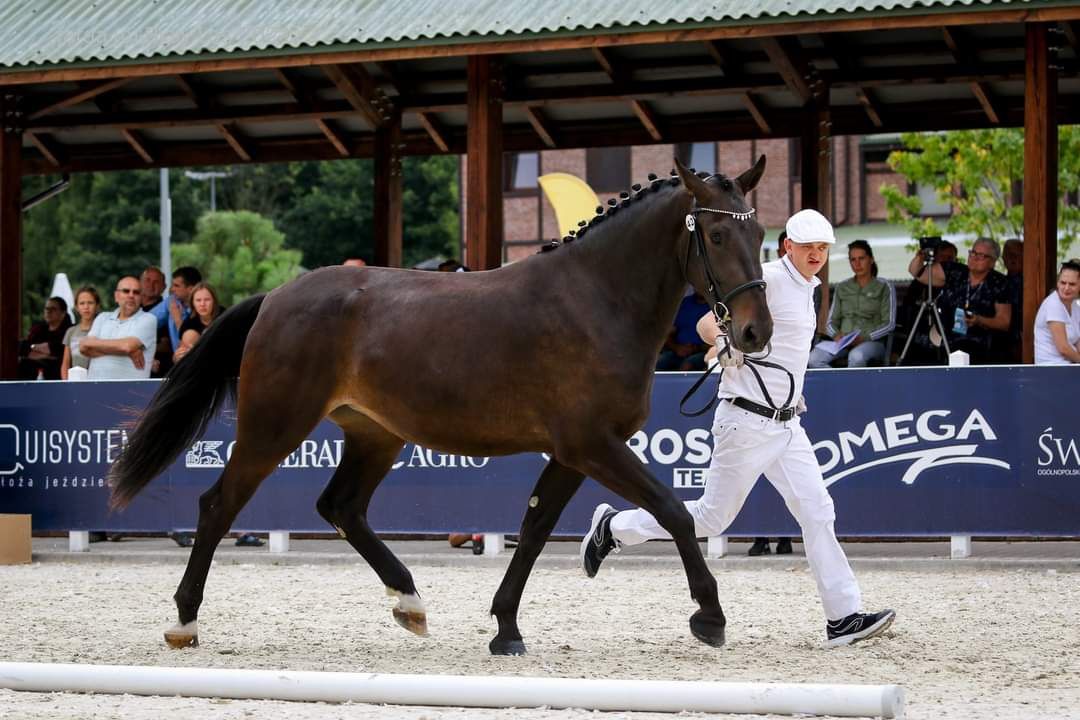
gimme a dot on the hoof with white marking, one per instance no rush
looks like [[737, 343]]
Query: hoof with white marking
[[183, 636], [410, 612]]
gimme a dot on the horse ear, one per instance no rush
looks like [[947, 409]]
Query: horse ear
[[749, 179], [695, 185]]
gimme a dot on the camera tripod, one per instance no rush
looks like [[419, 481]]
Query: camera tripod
[[934, 319]]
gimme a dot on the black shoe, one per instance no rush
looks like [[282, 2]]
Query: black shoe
[[115, 537], [183, 539], [97, 536], [783, 546], [248, 540], [760, 547], [598, 541], [857, 626]]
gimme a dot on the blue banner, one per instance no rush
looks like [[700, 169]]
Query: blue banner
[[907, 452]]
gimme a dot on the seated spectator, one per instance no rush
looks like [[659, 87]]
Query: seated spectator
[[87, 305], [1012, 256], [152, 282], [683, 348], [42, 350], [121, 343], [922, 350], [1057, 324], [204, 308], [863, 304], [974, 302]]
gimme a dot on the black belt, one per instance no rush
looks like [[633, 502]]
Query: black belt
[[780, 414]]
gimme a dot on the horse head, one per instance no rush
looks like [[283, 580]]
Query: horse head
[[723, 253]]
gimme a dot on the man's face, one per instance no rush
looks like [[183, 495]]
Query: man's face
[[808, 258], [181, 289], [946, 254], [152, 283], [1013, 257], [128, 295], [981, 259]]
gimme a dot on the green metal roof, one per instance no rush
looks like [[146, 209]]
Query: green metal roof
[[38, 34]]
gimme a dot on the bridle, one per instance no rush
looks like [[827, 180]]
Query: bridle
[[719, 304]]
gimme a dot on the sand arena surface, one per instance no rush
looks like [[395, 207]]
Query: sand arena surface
[[999, 644]]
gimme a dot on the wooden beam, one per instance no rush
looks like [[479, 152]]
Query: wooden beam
[[648, 118], [236, 141], [964, 54], [190, 89], [982, 94], [359, 89], [722, 57], [1040, 180], [434, 129], [48, 148], [483, 206], [335, 136], [139, 145], [786, 57], [606, 62], [82, 95], [387, 194], [863, 95], [10, 244], [815, 149], [541, 125], [756, 112]]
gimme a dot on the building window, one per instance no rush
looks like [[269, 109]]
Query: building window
[[520, 170], [931, 206], [699, 156], [607, 169]]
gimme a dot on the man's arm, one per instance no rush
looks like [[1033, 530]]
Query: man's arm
[[96, 347], [920, 273], [998, 321]]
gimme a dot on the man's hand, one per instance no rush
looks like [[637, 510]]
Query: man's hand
[[176, 312], [729, 356], [137, 358], [800, 405]]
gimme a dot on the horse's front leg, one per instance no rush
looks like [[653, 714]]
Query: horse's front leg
[[616, 467], [557, 484]]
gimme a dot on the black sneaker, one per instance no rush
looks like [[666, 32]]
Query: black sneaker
[[760, 547], [183, 539], [783, 546], [248, 540], [598, 541], [857, 626]]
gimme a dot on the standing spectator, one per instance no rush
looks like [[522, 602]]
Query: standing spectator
[[152, 282], [179, 305], [974, 302], [1057, 324], [40, 353], [683, 348], [1012, 256], [121, 343], [87, 305], [863, 303], [204, 308]]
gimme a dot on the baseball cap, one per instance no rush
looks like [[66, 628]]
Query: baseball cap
[[810, 226]]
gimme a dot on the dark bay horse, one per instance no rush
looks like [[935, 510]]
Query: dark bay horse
[[552, 354]]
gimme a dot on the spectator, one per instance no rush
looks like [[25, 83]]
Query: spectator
[[87, 305], [974, 302], [204, 308], [42, 350], [121, 343], [152, 282], [179, 306], [865, 304], [1057, 324], [1012, 256], [683, 348], [922, 350]]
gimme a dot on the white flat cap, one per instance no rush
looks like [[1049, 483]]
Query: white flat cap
[[810, 226]]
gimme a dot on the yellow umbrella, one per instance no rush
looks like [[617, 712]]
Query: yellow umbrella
[[571, 197]]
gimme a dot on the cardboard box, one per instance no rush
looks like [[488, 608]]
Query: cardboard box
[[14, 539]]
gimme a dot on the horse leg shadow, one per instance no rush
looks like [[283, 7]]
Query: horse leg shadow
[[368, 455], [557, 484], [616, 467]]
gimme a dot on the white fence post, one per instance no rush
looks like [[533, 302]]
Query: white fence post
[[79, 541], [961, 546], [279, 541], [494, 543], [717, 547]]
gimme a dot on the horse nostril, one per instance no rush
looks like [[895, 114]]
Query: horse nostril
[[749, 337]]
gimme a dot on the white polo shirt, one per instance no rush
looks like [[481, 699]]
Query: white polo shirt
[[109, 326], [790, 298]]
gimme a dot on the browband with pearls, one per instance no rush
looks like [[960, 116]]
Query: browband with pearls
[[737, 215]]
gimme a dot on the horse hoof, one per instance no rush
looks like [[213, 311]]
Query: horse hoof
[[506, 647], [708, 630], [183, 636], [414, 622]]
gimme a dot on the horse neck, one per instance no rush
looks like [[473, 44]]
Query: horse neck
[[638, 256]]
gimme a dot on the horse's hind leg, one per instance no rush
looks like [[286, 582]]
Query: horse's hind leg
[[557, 484], [369, 452]]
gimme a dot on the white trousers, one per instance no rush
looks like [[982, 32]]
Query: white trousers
[[746, 446]]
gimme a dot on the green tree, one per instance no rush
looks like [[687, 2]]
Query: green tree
[[979, 172], [240, 253]]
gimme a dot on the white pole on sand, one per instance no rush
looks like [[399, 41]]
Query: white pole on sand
[[461, 691]]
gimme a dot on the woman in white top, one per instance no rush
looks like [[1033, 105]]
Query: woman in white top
[[1057, 324]]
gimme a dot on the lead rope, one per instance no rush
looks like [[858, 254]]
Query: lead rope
[[750, 363]]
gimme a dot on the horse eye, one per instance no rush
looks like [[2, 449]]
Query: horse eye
[[716, 238]]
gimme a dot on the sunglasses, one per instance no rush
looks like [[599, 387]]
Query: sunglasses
[[129, 291]]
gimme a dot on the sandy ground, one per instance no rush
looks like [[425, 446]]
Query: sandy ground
[[989, 644]]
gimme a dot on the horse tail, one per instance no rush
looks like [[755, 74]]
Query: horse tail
[[187, 399]]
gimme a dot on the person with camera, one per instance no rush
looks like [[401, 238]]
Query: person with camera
[[974, 301]]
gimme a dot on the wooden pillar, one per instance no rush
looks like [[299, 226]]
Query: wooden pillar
[[388, 215], [1040, 180], [10, 235], [815, 147], [483, 208]]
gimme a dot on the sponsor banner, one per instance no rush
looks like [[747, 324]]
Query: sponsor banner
[[939, 451]]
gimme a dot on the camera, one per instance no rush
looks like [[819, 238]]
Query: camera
[[930, 243]]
